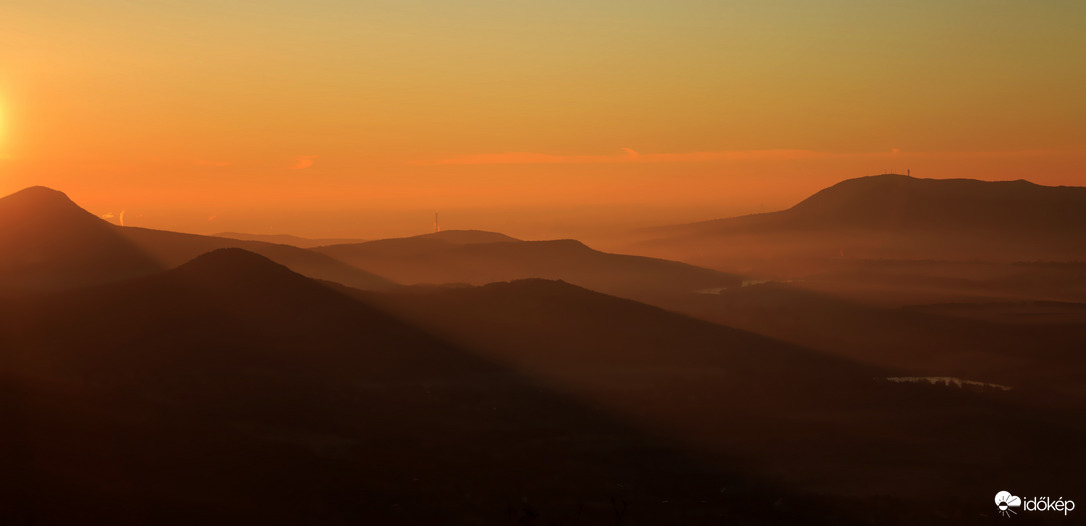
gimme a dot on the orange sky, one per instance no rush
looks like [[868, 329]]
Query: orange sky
[[545, 119]]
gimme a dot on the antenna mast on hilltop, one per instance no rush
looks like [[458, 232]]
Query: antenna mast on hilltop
[[437, 228]]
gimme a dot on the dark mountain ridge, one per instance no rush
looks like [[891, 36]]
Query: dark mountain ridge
[[894, 201], [49, 242], [427, 259], [174, 248]]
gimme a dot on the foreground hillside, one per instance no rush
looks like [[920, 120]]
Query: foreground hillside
[[234, 389], [816, 421]]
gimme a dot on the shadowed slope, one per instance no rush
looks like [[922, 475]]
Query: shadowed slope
[[914, 340], [822, 424], [628, 333], [232, 390]]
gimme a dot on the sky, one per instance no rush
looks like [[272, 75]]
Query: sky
[[541, 119]]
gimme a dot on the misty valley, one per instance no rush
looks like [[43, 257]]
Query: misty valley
[[891, 350]]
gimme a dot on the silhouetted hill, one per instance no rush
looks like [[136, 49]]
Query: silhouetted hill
[[899, 202], [415, 245], [467, 237], [286, 239], [427, 259], [232, 390], [174, 248], [234, 263], [894, 216], [43, 203], [47, 241], [242, 271]]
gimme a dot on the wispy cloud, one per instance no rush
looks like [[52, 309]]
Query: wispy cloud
[[214, 164], [303, 162], [630, 155]]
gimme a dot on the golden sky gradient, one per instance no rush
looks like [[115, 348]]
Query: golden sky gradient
[[542, 119]]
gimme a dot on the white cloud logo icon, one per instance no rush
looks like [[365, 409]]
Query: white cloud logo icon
[[1005, 501]]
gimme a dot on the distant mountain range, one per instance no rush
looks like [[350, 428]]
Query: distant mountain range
[[286, 239], [477, 258], [893, 202], [174, 248], [894, 216], [49, 242], [159, 377]]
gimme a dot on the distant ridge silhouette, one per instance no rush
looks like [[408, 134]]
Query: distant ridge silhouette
[[420, 244], [468, 237], [42, 200], [895, 216], [49, 242], [287, 239], [175, 248], [483, 257], [894, 201], [235, 264]]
